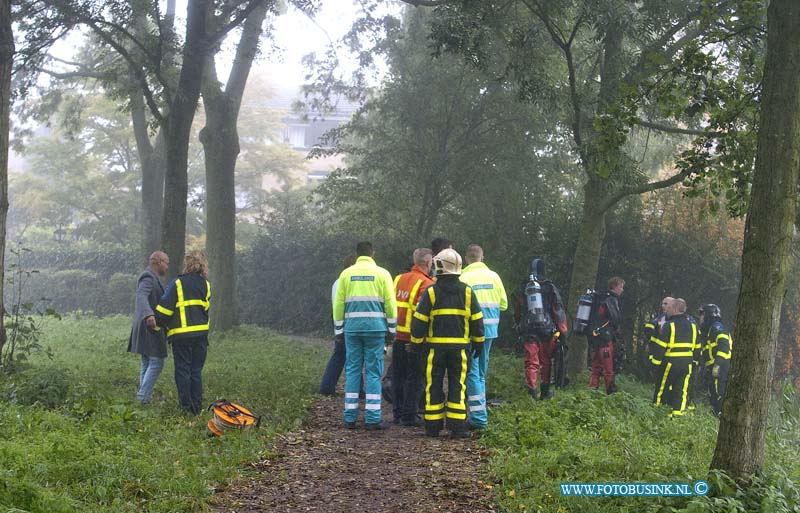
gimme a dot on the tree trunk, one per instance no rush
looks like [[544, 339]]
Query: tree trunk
[[151, 160], [6, 62], [220, 139], [178, 126], [765, 259], [585, 264]]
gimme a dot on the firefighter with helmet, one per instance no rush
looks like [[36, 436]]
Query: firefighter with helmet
[[716, 352], [447, 318], [542, 326]]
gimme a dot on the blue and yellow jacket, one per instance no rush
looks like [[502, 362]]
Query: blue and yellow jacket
[[490, 292], [364, 301], [718, 345], [183, 308]]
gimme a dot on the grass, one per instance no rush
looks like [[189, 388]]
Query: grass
[[587, 436], [98, 450]]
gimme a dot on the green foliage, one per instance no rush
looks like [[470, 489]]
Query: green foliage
[[46, 386], [586, 436], [102, 452]]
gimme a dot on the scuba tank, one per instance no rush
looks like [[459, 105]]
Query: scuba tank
[[533, 299], [584, 315]]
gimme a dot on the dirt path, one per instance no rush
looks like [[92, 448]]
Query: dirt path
[[325, 468]]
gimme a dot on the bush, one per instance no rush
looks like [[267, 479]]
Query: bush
[[79, 290], [121, 291], [46, 386]]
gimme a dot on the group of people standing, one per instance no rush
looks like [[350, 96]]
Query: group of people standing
[[177, 315], [441, 320], [682, 347]]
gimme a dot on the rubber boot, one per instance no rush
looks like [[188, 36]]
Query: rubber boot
[[432, 427], [533, 393], [546, 392], [611, 388]]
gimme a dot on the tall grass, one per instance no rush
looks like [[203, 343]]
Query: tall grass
[[97, 450], [586, 436]]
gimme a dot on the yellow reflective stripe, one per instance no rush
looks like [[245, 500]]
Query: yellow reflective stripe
[[456, 406], [681, 345], [422, 317], [686, 388], [187, 329], [479, 339], [434, 407], [476, 316], [208, 294], [649, 325], [658, 341], [663, 383], [432, 295], [417, 340], [434, 416], [463, 379], [726, 356], [163, 310], [449, 311], [678, 354], [429, 379], [453, 415], [193, 302], [468, 308], [654, 361], [181, 309], [397, 280], [448, 340]]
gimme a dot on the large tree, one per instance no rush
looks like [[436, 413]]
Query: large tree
[[609, 65], [6, 66], [769, 232]]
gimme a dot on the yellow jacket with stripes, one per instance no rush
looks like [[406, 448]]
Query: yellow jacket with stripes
[[183, 308], [364, 300], [449, 314]]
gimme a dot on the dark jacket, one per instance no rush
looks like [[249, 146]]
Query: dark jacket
[[555, 315], [143, 340], [448, 314], [183, 309], [717, 345], [677, 342]]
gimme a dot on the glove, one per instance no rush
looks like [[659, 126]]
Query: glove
[[715, 371], [338, 339], [475, 351]]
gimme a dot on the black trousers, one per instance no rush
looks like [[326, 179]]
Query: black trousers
[[718, 385], [453, 362], [190, 356], [407, 381], [672, 388]]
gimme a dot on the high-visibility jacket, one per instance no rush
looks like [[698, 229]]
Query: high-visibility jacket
[[491, 294], [408, 290], [677, 342], [184, 307], [364, 301], [652, 329], [448, 314], [718, 344]]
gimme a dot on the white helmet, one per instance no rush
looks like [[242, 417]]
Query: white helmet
[[448, 261]]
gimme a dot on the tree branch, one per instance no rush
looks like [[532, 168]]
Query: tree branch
[[612, 200], [220, 33], [672, 129], [78, 74], [426, 3]]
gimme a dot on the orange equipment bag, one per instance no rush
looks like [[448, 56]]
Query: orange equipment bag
[[228, 415]]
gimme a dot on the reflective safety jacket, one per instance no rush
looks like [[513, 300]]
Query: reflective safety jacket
[[490, 292], [183, 308], [408, 290], [448, 314], [364, 301], [718, 344], [652, 329], [677, 342]]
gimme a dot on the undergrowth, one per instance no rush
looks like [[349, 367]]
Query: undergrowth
[[75, 439]]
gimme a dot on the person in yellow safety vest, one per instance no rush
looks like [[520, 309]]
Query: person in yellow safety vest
[[183, 310], [365, 315], [447, 317], [676, 349], [407, 369], [652, 328], [491, 294], [717, 349]]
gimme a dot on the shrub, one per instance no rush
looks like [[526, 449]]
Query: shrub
[[121, 289], [46, 386]]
